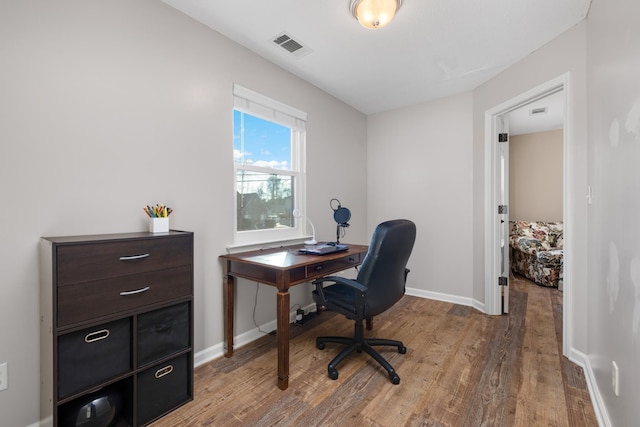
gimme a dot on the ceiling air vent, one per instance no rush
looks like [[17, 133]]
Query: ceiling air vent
[[538, 110], [287, 42]]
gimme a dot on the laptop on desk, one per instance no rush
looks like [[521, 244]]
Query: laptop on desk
[[323, 249]]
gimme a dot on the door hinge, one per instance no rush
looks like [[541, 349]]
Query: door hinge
[[502, 281], [503, 137], [503, 209]]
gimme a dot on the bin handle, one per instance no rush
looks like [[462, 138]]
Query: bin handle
[[96, 336], [164, 371]]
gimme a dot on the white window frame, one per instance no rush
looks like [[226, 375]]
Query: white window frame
[[256, 104]]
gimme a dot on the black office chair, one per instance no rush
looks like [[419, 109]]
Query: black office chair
[[379, 285]]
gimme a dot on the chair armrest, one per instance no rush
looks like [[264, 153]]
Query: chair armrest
[[341, 280], [360, 291]]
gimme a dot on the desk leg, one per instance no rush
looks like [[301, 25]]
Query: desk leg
[[228, 291], [283, 340]]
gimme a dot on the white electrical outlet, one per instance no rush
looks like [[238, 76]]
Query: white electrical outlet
[[4, 378], [615, 378]]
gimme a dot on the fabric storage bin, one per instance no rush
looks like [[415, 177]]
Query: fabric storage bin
[[92, 355], [162, 388], [163, 332]]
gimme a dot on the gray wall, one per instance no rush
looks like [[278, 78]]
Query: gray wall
[[420, 166], [106, 106], [614, 230]]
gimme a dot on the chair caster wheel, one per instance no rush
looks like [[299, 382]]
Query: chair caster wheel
[[402, 350], [333, 374], [395, 379], [320, 345]]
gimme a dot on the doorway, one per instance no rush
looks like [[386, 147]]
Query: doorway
[[494, 199]]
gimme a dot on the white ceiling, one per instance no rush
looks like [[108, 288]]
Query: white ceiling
[[432, 48]]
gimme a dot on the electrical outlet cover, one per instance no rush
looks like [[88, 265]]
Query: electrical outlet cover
[[4, 378], [615, 378]]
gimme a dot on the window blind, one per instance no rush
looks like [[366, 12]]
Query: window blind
[[259, 105]]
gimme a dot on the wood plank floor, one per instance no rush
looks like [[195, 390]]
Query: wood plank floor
[[462, 368]]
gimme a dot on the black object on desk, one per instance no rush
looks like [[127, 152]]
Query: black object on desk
[[323, 249]]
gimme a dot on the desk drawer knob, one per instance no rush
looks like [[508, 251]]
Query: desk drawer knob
[[318, 268]]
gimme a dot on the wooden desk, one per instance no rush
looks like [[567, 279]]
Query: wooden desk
[[280, 267]]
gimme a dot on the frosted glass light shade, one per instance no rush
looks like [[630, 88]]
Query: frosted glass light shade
[[374, 13]]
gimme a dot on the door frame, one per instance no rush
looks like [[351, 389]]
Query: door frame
[[491, 170]]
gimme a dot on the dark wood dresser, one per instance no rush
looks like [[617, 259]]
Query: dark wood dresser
[[116, 327]]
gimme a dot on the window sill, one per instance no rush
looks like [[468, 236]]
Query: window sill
[[234, 249]]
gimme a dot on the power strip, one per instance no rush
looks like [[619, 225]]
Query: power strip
[[302, 318]]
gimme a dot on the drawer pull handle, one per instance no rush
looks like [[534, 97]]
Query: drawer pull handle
[[133, 257], [164, 371], [318, 268], [96, 336], [137, 291]]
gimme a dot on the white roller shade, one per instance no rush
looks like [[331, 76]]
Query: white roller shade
[[266, 108]]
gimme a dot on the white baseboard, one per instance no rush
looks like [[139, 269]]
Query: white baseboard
[[454, 299], [216, 351], [597, 401]]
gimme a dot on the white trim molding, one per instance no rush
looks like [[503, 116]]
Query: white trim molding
[[454, 299]]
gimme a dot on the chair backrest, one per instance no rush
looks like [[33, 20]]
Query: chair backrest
[[383, 268]]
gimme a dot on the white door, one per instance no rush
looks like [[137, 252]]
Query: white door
[[502, 209]]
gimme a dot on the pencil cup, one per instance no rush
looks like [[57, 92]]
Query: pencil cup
[[159, 225]]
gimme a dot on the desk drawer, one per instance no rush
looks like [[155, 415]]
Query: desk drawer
[[331, 266], [93, 261], [90, 300]]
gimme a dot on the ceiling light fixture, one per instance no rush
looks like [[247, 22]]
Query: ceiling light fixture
[[374, 14]]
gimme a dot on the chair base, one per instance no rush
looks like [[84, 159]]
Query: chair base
[[359, 343]]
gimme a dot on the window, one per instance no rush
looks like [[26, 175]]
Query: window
[[269, 179]]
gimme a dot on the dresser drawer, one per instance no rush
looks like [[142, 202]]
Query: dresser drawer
[[93, 261], [90, 300]]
